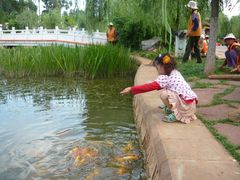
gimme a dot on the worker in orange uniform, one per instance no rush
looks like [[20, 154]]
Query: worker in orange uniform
[[111, 34], [194, 32], [232, 54]]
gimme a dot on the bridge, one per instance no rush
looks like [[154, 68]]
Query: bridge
[[46, 37]]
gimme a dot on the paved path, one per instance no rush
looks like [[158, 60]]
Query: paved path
[[220, 105], [189, 151]]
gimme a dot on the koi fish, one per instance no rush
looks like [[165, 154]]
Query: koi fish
[[82, 154], [128, 147], [128, 157]]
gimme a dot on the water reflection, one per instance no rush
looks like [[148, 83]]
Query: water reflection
[[67, 128]]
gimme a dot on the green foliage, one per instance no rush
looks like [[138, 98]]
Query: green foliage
[[139, 20], [27, 18], [131, 33], [135, 20], [107, 61], [133, 26], [91, 62], [235, 24], [191, 70], [224, 25], [69, 21], [7, 7], [51, 19], [12, 22], [148, 54], [80, 18], [152, 54], [95, 13], [55, 4]]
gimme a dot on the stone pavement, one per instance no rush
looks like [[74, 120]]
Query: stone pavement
[[189, 151], [220, 104]]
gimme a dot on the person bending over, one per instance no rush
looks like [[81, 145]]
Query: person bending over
[[176, 94], [232, 54]]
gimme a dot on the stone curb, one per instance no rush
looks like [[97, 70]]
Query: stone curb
[[176, 150]]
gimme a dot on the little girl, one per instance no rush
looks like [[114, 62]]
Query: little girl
[[180, 101]]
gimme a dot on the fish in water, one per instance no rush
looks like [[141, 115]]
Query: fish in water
[[129, 147], [80, 155], [127, 157]]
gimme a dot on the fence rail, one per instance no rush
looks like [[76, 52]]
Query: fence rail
[[45, 37]]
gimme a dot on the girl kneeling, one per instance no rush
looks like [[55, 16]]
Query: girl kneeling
[[176, 94]]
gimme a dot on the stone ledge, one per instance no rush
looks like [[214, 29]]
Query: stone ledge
[[176, 150]]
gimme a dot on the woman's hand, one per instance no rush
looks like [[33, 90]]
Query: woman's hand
[[126, 91]]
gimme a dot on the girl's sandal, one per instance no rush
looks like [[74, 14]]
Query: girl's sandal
[[166, 109], [170, 118]]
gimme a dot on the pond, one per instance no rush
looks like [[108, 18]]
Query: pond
[[64, 128]]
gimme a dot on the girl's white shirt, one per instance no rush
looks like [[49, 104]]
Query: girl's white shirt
[[175, 82]]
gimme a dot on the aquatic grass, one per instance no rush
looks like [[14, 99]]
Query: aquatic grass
[[96, 61], [107, 61]]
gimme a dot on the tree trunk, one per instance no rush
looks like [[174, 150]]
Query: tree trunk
[[210, 61], [225, 76]]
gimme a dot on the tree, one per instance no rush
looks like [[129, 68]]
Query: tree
[[95, 9], [23, 4], [52, 4], [235, 25], [224, 25], [210, 62], [51, 19], [69, 20], [79, 17], [157, 17], [10, 8], [27, 18]]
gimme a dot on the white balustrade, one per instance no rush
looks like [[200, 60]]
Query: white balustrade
[[1, 32], [45, 36], [27, 30], [13, 30]]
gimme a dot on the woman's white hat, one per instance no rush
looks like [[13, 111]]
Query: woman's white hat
[[229, 36], [192, 5], [110, 24]]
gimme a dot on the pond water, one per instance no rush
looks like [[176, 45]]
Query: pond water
[[67, 129]]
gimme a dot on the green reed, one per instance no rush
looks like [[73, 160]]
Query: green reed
[[96, 61]]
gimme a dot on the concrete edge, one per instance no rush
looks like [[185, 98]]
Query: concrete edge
[[176, 150]]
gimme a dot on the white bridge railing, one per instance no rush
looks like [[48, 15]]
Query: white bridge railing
[[45, 37]]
